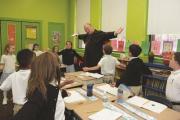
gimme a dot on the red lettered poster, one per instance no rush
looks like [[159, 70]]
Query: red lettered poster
[[12, 33], [120, 46], [155, 47], [114, 44]]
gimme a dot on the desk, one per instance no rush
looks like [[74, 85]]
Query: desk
[[77, 76], [72, 85], [85, 109]]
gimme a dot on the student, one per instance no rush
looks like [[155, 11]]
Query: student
[[55, 49], [107, 64], [18, 81], [134, 70], [173, 82], [36, 49], [44, 100], [8, 60], [68, 55]]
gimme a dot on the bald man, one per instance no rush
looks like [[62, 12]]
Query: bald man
[[94, 40]]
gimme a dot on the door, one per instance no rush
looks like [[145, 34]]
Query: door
[[10, 33], [56, 32], [30, 34]]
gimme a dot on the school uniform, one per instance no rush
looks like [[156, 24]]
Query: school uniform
[[132, 75], [17, 81], [9, 66], [108, 65], [36, 108], [173, 89], [68, 58], [38, 52]]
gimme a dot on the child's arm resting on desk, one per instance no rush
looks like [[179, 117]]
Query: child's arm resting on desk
[[91, 68]]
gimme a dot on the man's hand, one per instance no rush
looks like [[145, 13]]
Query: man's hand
[[118, 31]]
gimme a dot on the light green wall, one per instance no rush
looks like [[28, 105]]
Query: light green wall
[[137, 20], [43, 10]]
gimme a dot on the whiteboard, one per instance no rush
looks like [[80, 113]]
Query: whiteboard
[[114, 15], [164, 17], [82, 17]]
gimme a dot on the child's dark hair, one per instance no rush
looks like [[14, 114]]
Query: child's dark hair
[[25, 58], [34, 45], [177, 57], [69, 42], [53, 48], [135, 50], [107, 49]]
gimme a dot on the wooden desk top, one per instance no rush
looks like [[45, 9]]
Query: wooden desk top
[[110, 96], [72, 85], [78, 76]]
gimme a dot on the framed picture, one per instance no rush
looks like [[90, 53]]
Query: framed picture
[[167, 46], [31, 32]]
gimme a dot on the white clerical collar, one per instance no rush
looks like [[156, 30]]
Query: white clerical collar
[[131, 58]]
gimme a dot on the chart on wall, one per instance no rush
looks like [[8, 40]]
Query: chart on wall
[[31, 34], [56, 34], [10, 33]]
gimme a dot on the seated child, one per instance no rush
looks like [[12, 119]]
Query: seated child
[[134, 70], [173, 82]]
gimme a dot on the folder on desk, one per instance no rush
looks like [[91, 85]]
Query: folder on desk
[[74, 97], [105, 114], [109, 89], [147, 104]]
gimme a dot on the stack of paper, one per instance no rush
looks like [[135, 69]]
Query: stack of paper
[[138, 101], [109, 89], [105, 114], [74, 97], [154, 106], [147, 104]]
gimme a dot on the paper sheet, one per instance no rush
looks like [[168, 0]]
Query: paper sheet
[[109, 89], [154, 106], [74, 97], [105, 114], [95, 75], [138, 101]]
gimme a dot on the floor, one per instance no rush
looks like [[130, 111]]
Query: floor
[[6, 111]]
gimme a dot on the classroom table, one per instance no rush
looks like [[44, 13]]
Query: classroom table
[[77, 76], [72, 85], [86, 108]]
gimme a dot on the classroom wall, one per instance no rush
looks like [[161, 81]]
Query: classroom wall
[[136, 18], [43, 10]]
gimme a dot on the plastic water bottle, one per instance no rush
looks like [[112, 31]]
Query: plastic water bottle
[[120, 93], [105, 99]]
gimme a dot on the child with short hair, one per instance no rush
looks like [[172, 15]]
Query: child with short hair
[[68, 55], [134, 70], [8, 60], [44, 100], [108, 63], [36, 50], [18, 81], [173, 82]]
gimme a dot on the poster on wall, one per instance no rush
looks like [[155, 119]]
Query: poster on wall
[[167, 46], [155, 47], [114, 44], [56, 37], [121, 46], [12, 33], [31, 32]]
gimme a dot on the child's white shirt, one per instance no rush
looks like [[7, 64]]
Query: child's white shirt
[[108, 64], [60, 105], [18, 82], [9, 62]]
